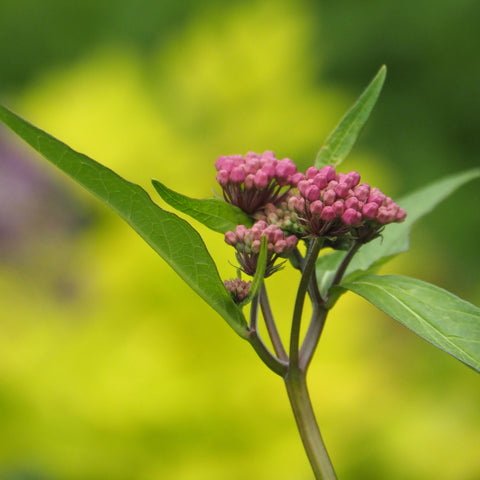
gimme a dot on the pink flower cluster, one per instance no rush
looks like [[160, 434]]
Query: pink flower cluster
[[238, 289], [252, 181], [289, 205], [331, 204], [248, 241]]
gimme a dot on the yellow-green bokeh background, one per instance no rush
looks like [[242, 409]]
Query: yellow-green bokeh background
[[129, 375]]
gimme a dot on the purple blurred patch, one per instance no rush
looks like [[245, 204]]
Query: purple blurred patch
[[37, 213]]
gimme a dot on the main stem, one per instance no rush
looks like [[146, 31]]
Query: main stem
[[295, 378], [296, 384], [293, 368]]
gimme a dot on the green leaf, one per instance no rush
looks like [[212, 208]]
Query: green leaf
[[171, 237], [326, 267], [214, 213], [345, 134], [438, 316], [395, 238], [260, 272]]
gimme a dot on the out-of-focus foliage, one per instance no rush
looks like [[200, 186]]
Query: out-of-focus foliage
[[38, 35], [426, 122], [109, 366]]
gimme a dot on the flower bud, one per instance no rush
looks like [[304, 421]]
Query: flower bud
[[285, 168], [383, 216], [401, 215], [369, 210], [292, 242], [269, 169], [237, 175], [280, 246], [278, 235], [329, 197], [342, 189], [302, 186], [311, 193], [261, 179], [352, 178], [338, 208], [255, 247], [240, 232], [230, 238], [296, 177], [351, 217], [249, 181], [311, 172], [352, 202], [222, 177], [320, 180], [329, 172], [328, 214], [376, 196], [316, 207], [362, 192]]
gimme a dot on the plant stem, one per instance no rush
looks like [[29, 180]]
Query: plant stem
[[296, 385], [308, 270], [343, 266], [271, 361], [271, 326], [310, 342]]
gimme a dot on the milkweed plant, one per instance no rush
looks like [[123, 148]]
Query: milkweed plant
[[276, 217]]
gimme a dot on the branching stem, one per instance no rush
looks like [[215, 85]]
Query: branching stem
[[343, 266], [308, 270], [271, 361], [271, 326]]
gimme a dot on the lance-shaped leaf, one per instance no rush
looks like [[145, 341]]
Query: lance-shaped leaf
[[172, 238], [438, 316], [341, 140], [395, 237], [214, 213]]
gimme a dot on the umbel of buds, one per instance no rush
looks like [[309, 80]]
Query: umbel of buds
[[252, 181], [238, 289], [331, 204], [289, 206], [248, 241]]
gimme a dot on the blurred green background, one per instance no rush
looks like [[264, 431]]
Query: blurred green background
[[110, 367]]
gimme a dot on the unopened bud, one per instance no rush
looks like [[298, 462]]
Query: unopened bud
[[401, 215], [311, 172], [329, 172], [237, 175], [351, 217], [329, 197], [312, 192], [369, 210], [230, 238], [316, 207], [328, 214]]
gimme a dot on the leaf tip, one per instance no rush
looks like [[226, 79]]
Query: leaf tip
[[381, 75]]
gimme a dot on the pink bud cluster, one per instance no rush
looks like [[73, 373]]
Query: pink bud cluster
[[248, 241], [331, 204], [252, 181], [238, 289]]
